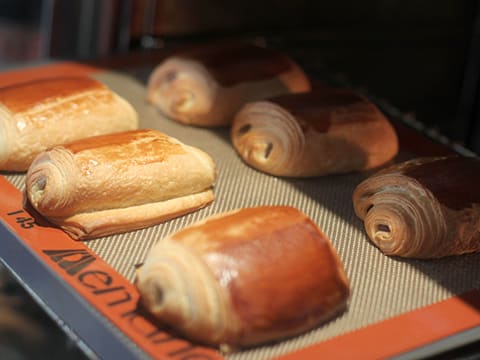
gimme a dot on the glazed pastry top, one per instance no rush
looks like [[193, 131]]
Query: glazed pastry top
[[235, 63], [21, 97]]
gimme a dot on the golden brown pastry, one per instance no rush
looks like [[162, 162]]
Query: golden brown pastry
[[119, 182], [206, 85], [39, 114], [244, 277], [423, 208], [312, 134]]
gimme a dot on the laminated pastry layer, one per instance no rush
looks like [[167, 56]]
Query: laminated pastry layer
[[119, 182], [311, 134], [423, 208], [37, 115], [245, 277], [206, 85]]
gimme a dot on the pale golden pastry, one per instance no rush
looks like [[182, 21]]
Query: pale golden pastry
[[119, 182], [423, 208], [37, 115], [312, 134], [245, 277], [206, 85]]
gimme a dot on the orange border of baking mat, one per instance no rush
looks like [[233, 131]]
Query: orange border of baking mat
[[44, 71], [116, 298], [401, 333]]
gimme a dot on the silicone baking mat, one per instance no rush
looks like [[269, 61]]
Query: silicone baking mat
[[385, 290]]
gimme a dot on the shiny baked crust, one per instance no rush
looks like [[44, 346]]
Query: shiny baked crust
[[423, 208], [119, 182], [206, 85], [37, 115], [244, 277], [311, 134]]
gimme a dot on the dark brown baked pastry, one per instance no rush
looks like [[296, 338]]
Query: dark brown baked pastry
[[244, 277], [423, 208], [37, 115], [119, 182], [206, 85], [311, 134]]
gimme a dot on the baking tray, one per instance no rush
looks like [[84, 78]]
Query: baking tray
[[405, 308]]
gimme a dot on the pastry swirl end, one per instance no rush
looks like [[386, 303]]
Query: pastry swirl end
[[168, 292], [181, 89]]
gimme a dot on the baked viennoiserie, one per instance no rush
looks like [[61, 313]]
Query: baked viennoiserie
[[40, 114], [311, 134], [244, 277], [423, 208], [119, 182], [206, 85]]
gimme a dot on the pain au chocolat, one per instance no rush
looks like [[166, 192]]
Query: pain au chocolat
[[423, 208], [312, 134], [245, 277], [207, 84], [119, 182], [40, 114]]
